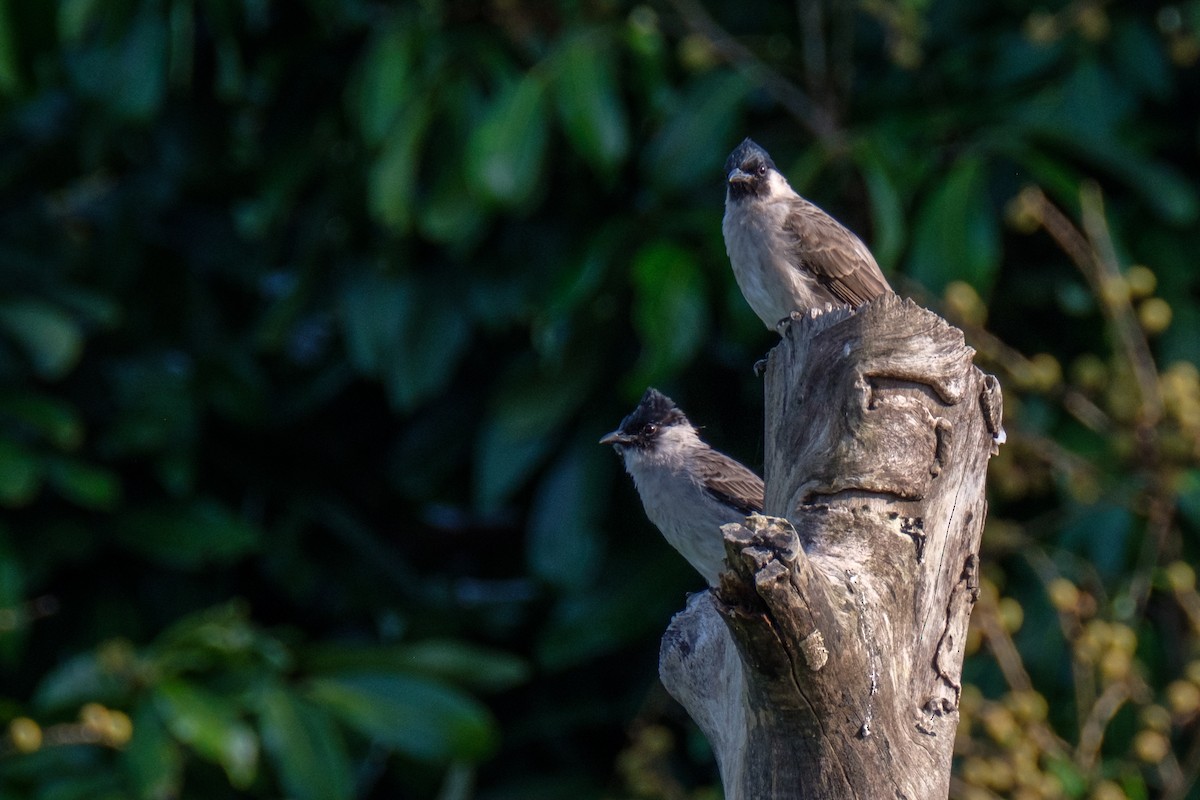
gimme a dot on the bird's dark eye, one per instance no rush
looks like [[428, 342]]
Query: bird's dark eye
[[762, 169], [650, 429]]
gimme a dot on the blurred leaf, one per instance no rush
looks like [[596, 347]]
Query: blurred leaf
[[419, 717], [390, 79], [1188, 491], [10, 73], [305, 747], [12, 597], [152, 760], [84, 484], [20, 474], [407, 333], [210, 725], [957, 234], [83, 678], [461, 663], [565, 544], [887, 210], [392, 182], [693, 143], [51, 417], [525, 415], [129, 74], [505, 153], [589, 101], [50, 337], [629, 606], [216, 638], [1142, 59], [189, 535], [670, 310]]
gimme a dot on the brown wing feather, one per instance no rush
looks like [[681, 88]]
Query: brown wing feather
[[730, 482], [833, 254]]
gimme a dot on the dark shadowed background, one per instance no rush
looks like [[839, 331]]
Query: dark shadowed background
[[311, 314]]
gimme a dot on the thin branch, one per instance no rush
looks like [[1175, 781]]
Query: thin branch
[[1095, 257], [1091, 736], [795, 100]]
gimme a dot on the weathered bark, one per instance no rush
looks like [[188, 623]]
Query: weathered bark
[[827, 663]]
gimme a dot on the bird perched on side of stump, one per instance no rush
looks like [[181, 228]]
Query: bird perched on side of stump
[[787, 254], [687, 488]]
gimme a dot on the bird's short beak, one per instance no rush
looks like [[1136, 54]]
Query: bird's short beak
[[738, 176], [616, 437]]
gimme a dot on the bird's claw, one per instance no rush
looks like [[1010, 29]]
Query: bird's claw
[[760, 366]]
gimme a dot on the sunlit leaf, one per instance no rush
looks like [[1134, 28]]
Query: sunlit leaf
[[392, 182], [452, 661], [670, 309], [957, 234], [589, 101], [418, 717], [887, 210], [209, 724], [305, 747], [152, 760], [693, 143], [506, 150]]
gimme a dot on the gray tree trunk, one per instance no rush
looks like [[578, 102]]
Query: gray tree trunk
[[827, 663]]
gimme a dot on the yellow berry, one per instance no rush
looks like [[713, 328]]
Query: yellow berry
[[1114, 290], [1047, 372], [1027, 705], [1181, 576], [1090, 372], [1041, 27], [1115, 665], [26, 735], [1141, 279], [963, 300], [1000, 775], [119, 730], [1107, 790], [975, 771], [1183, 697], [94, 717], [1155, 315], [1011, 614], [1000, 724], [1064, 595], [1092, 22], [1151, 746], [1123, 638], [1155, 718]]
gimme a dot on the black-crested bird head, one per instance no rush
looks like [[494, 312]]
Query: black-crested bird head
[[642, 428], [748, 170]]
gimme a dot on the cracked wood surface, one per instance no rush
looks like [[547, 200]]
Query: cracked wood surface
[[827, 663]]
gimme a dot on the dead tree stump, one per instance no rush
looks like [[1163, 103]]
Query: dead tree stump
[[827, 663]]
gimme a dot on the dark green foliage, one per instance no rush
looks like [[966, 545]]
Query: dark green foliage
[[312, 313]]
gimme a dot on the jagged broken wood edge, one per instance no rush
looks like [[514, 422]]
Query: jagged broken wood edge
[[769, 571]]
